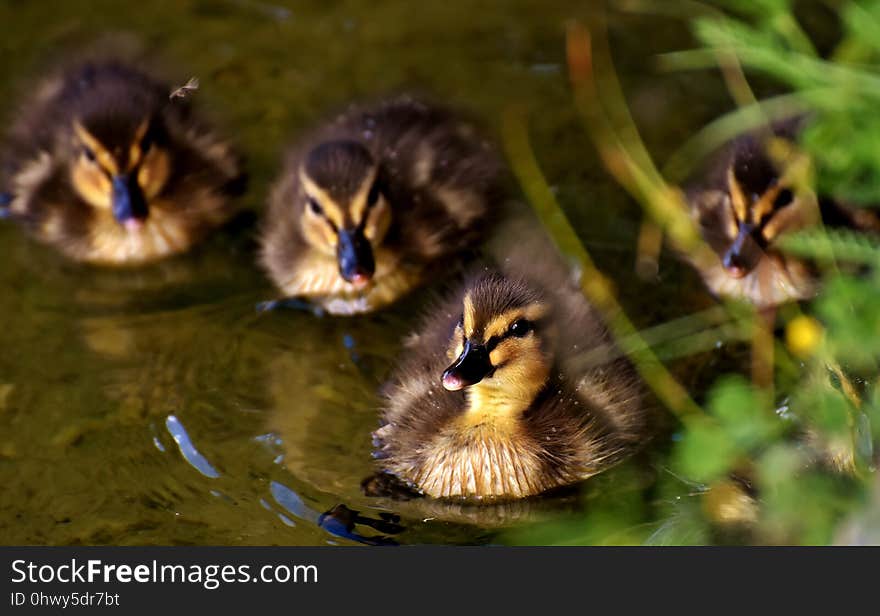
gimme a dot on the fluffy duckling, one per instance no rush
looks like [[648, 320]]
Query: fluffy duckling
[[743, 205], [103, 165], [494, 399], [367, 206]]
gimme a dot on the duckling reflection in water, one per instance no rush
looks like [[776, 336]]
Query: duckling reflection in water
[[365, 208], [103, 166], [489, 404], [743, 205], [341, 521]]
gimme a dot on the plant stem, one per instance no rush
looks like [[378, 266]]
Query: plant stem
[[593, 283]]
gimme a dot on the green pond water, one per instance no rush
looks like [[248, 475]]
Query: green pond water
[[103, 372]]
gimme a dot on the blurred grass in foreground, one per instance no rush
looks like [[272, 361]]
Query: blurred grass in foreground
[[789, 458]]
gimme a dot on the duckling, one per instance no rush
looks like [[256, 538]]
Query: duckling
[[493, 400], [101, 164], [374, 201], [743, 205]]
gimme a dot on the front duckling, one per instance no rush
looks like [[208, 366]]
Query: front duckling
[[743, 207], [492, 403], [105, 167], [363, 210]]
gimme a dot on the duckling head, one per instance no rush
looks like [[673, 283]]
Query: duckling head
[[345, 212], [760, 208], [501, 348], [119, 164]]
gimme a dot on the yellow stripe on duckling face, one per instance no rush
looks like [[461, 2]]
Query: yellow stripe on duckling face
[[802, 212], [151, 163], [135, 151], [154, 172], [332, 210], [521, 371], [95, 165], [103, 157], [763, 207], [378, 222], [319, 228], [738, 198], [358, 205], [469, 316], [764, 213], [375, 217], [90, 169], [521, 367], [499, 325]]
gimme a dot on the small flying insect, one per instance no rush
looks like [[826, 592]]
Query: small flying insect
[[185, 90]]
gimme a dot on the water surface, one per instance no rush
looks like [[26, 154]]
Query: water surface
[[157, 407]]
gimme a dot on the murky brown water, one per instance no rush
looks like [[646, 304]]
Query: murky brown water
[[101, 371]]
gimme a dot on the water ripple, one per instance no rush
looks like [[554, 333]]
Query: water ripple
[[188, 450]]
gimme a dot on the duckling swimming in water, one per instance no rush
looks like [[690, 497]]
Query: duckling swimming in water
[[743, 205], [492, 402], [103, 166], [368, 206]]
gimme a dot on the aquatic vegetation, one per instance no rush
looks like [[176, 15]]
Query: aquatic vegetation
[[786, 455]]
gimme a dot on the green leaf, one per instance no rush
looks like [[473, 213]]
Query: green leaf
[[800, 506], [828, 410], [779, 465], [832, 245], [861, 21], [849, 309], [843, 142], [872, 413], [706, 452], [742, 412], [758, 8]]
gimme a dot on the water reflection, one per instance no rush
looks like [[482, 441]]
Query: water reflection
[[188, 450], [291, 501], [342, 522], [386, 492], [339, 521]]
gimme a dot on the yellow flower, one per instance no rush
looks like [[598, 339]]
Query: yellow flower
[[802, 335]]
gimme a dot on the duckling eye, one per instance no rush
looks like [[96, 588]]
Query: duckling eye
[[373, 195], [88, 154], [783, 198], [520, 328], [315, 207]]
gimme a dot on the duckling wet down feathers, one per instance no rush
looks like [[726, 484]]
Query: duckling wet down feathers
[[103, 165], [492, 400], [374, 201]]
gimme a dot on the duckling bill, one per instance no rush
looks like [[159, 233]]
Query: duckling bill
[[491, 402], [101, 165], [743, 204], [371, 204]]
